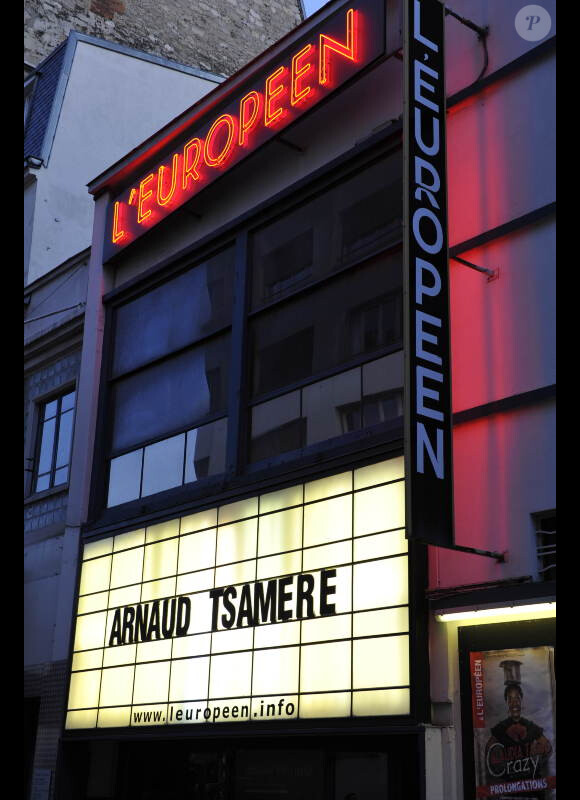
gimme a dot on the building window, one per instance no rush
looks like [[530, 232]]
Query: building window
[[169, 383], [546, 545], [309, 296], [54, 442]]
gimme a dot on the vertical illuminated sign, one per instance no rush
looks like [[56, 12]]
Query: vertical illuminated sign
[[428, 442]]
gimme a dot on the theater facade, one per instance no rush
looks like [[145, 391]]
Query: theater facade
[[255, 615]]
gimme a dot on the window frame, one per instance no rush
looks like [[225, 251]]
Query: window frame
[[239, 469], [39, 406]]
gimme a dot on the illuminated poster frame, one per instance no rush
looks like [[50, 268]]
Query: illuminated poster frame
[[428, 420], [293, 605], [214, 141]]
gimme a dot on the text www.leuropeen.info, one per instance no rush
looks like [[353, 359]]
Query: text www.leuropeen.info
[[215, 712]]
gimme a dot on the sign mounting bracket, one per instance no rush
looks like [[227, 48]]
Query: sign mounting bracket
[[492, 274]]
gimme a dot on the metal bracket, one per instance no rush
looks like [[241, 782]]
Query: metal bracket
[[492, 274], [291, 145], [500, 558], [481, 32]]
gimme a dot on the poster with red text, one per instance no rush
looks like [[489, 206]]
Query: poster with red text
[[513, 698]]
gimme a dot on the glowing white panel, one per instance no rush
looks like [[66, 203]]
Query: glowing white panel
[[331, 704], [342, 597], [90, 631], [160, 560], [230, 675], [198, 645], [95, 575], [197, 550], [379, 545], [151, 682], [269, 670], [114, 717], [95, 549], [326, 628], [157, 590], [388, 620], [380, 583], [234, 639], [117, 686], [125, 597], [199, 521], [328, 521], [243, 572], [164, 530], [127, 568], [201, 610], [237, 542], [328, 554], [325, 667], [385, 471], [81, 719], [281, 499], [277, 635], [280, 531], [239, 510], [92, 602], [379, 509], [154, 651], [328, 487], [195, 581], [91, 659], [284, 564], [189, 679], [126, 540], [275, 671], [388, 702], [116, 656], [383, 661], [84, 689]]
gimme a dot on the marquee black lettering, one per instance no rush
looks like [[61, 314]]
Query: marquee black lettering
[[154, 622], [115, 637], [264, 606], [128, 617]]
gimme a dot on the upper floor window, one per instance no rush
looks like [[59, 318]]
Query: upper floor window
[[52, 461], [288, 338]]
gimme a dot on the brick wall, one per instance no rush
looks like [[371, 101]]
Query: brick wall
[[215, 35]]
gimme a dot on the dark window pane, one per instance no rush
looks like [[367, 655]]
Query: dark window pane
[[42, 483], [358, 313], [332, 406], [277, 427], [47, 446], [61, 476], [174, 314], [206, 451], [68, 401], [287, 360], [50, 409], [171, 395], [64, 439], [355, 218]]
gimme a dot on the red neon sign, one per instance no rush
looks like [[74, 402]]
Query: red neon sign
[[342, 45]]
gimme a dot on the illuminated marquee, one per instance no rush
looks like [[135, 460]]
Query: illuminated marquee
[[290, 605], [333, 53]]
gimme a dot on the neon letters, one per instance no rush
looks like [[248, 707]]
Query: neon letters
[[341, 46]]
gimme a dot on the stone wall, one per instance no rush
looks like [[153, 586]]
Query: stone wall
[[219, 36]]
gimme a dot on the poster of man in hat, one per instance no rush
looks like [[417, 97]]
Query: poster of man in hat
[[513, 705]]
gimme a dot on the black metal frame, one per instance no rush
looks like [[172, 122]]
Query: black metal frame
[[237, 232]]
